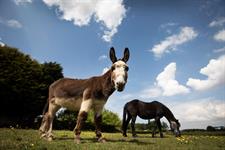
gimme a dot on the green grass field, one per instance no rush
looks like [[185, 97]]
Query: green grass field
[[21, 139]]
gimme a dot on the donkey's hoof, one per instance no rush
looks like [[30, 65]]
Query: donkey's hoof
[[101, 140], [49, 138], [43, 135], [77, 140]]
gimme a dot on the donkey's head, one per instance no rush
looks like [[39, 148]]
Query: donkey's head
[[119, 69]]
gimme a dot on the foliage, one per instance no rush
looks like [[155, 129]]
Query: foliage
[[17, 139], [210, 128], [151, 125], [67, 120], [23, 86]]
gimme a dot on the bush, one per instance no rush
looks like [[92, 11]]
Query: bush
[[210, 128], [67, 120]]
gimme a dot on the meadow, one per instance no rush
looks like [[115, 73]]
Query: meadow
[[22, 139]]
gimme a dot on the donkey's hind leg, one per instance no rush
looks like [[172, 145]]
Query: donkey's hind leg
[[46, 127]]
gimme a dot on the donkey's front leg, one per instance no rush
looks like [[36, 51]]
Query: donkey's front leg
[[98, 121], [82, 117]]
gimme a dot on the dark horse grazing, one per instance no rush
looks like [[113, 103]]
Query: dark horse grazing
[[85, 94], [153, 110]]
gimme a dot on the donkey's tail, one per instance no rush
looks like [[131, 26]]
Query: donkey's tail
[[45, 107]]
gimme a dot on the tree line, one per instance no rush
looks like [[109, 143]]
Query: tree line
[[23, 86]]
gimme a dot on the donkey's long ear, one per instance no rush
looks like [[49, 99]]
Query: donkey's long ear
[[126, 55], [112, 55]]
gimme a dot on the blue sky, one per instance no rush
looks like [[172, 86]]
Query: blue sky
[[177, 48]]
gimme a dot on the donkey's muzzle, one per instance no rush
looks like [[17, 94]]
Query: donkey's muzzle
[[120, 86]]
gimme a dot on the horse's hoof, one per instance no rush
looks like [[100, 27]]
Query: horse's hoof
[[101, 140], [134, 136]]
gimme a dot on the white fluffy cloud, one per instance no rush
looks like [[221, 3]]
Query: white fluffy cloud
[[171, 42], [166, 84], [109, 13], [200, 110], [215, 72], [220, 36], [22, 2], [1, 43], [217, 22]]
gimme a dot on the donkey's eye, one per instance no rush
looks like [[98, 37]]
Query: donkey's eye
[[126, 68]]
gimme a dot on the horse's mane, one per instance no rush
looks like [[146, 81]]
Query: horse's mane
[[168, 114]]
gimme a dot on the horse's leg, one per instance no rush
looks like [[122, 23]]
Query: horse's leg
[[82, 117], [133, 126], [126, 124], [160, 127], [154, 129]]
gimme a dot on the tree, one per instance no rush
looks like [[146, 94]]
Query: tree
[[67, 120], [23, 86], [210, 128]]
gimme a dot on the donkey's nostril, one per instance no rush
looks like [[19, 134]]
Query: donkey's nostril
[[120, 86]]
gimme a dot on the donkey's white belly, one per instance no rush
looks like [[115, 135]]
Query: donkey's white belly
[[69, 103], [79, 104]]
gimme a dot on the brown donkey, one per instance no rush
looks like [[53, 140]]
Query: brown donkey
[[85, 94]]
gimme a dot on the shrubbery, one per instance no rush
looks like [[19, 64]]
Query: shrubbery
[[67, 120]]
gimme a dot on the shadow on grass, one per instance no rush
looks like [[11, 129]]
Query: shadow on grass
[[108, 140], [134, 140], [149, 136]]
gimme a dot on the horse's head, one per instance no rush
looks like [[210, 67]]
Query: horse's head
[[119, 69], [175, 127]]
